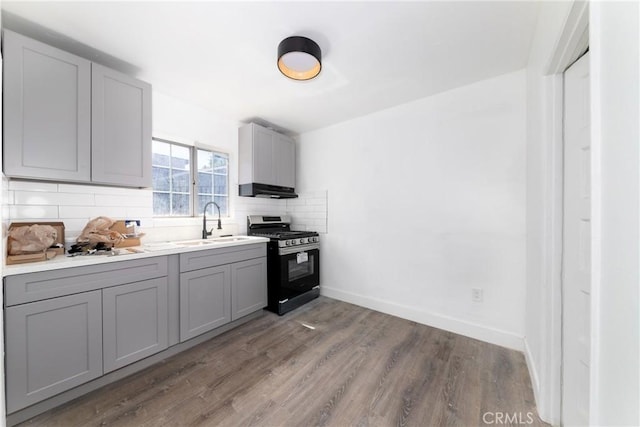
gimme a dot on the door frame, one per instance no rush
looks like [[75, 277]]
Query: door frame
[[571, 44]]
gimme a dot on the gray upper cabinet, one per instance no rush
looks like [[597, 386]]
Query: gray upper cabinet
[[120, 129], [265, 157], [135, 323], [248, 287], [67, 119], [46, 112], [52, 346], [285, 161]]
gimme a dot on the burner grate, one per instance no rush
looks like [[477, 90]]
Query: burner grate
[[270, 227]]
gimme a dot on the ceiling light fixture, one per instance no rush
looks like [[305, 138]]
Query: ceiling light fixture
[[299, 58]]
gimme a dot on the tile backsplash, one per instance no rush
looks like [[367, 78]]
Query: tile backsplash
[[76, 204], [309, 211]]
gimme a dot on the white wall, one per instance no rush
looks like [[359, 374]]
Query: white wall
[[426, 202], [615, 94], [544, 163]]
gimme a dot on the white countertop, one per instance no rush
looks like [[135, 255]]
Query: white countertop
[[146, 251]]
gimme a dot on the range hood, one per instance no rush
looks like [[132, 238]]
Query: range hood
[[266, 163], [269, 191]]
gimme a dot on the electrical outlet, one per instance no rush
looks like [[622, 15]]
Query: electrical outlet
[[476, 294]]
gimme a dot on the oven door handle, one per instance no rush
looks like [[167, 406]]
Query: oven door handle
[[296, 249]]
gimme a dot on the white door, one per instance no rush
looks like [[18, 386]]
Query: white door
[[576, 264]]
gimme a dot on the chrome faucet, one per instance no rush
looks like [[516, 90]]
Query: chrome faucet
[[206, 233]]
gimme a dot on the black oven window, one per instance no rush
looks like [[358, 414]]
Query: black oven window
[[300, 270]]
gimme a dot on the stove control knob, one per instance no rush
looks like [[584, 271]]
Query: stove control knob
[[288, 243], [301, 241], [315, 239]]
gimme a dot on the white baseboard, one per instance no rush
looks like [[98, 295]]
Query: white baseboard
[[542, 403], [533, 374], [436, 320]]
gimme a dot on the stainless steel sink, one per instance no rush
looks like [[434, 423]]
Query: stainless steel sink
[[229, 239], [160, 246], [212, 241], [200, 242]]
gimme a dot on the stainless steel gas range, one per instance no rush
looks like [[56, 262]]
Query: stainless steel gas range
[[293, 261]]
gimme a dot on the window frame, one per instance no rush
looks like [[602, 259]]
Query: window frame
[[196, 179], [193, 178]]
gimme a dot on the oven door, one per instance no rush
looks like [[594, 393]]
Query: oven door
[[300, 271]]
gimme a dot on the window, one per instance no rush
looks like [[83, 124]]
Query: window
[[212, 179], [175, 181]]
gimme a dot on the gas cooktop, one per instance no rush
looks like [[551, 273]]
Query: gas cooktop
[[278, 229]]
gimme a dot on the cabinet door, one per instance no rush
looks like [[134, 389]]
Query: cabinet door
[[46, 112], [121, 129], [285, 161], [205, 300], [248, 287], [263, 161], [135, 322], [52, 346]]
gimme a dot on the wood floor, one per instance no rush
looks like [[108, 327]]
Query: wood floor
[[326, 364]]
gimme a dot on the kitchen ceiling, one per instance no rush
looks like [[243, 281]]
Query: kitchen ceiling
[[222, 55]]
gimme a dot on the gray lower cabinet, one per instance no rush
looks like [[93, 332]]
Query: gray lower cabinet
[[63, 325], [218, 286], [52, 346], [248, 287], [205, 300], [135, 322], [46, 111], [68, 326]]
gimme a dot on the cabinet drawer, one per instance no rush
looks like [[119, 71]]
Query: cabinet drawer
[[213, 257], [30, 287]]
